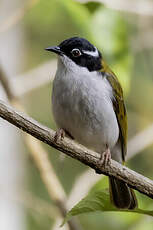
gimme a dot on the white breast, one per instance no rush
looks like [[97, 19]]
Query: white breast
[[82, 105]]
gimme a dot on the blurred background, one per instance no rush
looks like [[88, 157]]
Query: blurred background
[[123, 32]]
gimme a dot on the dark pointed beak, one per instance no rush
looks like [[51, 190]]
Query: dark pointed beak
[[55, 49]]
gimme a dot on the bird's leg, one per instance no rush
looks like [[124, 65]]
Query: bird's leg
[[59, 135], [69, 135], [105, 156]]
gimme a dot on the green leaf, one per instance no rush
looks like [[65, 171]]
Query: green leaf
[[100, 185], [98, 201]]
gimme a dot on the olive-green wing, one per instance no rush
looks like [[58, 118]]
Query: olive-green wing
[[119, 106]]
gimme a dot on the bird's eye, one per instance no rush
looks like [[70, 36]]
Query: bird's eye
[[76, 52]]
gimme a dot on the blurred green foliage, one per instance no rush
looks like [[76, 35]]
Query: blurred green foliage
[[113, 32], [98, 200]]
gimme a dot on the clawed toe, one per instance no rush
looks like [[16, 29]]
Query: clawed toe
[[59, 135], [105, 157]]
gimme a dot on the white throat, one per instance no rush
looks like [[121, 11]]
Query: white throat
[[66, 63]]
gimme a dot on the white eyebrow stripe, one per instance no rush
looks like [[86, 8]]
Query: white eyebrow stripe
[[92, 53]]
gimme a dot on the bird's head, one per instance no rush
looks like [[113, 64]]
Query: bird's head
[[78, 52]]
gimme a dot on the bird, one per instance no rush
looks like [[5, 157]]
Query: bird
[[88, 106]]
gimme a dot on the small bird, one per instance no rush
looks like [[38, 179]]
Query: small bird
[[88, 106]]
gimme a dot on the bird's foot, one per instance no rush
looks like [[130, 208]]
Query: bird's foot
[[59, 135], [105, 158]]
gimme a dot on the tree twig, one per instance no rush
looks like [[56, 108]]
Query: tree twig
[[4, 81], [14, 18], [32, 80], [50, 179], [76, 151], [53, 185]]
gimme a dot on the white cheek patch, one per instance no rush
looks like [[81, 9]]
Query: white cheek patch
[[92, 53]]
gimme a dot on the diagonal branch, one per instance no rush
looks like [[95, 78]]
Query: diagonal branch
[[5, 83], [55, 189], [74, 150]]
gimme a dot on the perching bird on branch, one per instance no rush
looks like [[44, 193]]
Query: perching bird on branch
[[87, 102]]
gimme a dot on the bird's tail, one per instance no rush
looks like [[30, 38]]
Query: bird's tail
[[121, 195]]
